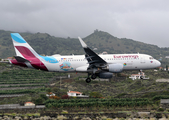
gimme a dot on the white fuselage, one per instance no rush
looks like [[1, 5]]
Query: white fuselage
[[78, 63]]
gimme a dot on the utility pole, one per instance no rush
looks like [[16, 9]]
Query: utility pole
[[60, 82]]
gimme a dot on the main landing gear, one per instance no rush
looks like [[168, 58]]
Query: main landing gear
[[93, 76], [88, 80]]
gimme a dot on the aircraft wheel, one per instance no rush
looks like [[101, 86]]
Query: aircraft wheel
[[88, 80], [94, 76], [141, 77]]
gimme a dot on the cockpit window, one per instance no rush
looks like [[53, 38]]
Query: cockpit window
[[151, 58]]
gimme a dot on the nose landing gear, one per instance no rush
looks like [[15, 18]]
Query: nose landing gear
[[141, 74]]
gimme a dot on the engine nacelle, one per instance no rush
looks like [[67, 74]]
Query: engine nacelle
[[105, 75], [115, 68], [82, 69]]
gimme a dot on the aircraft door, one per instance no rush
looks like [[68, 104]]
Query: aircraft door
[[139, 64]]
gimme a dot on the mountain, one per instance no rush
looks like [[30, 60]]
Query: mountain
[[46, 44], [112, 44]]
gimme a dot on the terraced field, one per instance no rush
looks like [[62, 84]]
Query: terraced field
[[16, 80]]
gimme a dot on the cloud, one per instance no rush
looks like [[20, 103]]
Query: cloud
[[141, 20]]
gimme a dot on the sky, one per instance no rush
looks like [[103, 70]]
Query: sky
[[141, 20]]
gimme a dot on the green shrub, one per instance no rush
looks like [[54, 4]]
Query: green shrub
[[121, 94], [160, 109], [5, 72], [158, 97], [64, 112], [95, 94]]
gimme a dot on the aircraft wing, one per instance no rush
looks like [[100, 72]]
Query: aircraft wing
[[93, 59]]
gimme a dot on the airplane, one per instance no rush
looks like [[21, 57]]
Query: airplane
[[102, 66]]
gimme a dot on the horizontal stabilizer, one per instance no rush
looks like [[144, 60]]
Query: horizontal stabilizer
[[20, 59]]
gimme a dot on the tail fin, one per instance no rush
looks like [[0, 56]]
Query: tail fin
[[22, 48]]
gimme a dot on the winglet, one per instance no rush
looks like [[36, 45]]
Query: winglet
[[82, 43]]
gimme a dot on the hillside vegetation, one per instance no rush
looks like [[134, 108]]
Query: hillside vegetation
[[18, 80], [118, 93]]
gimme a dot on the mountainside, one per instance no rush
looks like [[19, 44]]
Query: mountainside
[[112, 44], [43, 43]]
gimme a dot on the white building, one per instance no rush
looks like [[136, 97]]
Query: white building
[[50, 94], [137, 76], [104, 53], [29, 104], [95, 49], [75, 94], [165, 69]]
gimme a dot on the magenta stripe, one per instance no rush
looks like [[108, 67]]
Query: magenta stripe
[[34, 61], [25, 52], [17, 63]]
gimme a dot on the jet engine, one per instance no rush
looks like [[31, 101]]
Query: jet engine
[[105, 75], [115, 68]]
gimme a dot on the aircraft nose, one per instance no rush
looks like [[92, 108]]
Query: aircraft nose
[[158, 63]]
